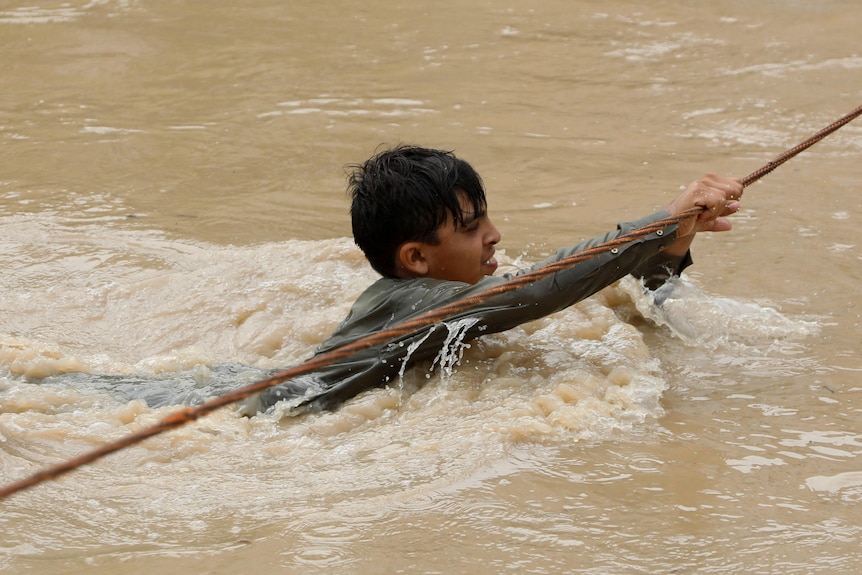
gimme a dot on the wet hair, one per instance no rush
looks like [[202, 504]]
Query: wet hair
[[405, 194]]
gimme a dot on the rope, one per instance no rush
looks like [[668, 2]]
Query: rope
[[189, 414], [754, 176]]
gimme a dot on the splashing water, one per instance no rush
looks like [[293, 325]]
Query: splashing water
[[698, 318], [727, 332], [452, 351]]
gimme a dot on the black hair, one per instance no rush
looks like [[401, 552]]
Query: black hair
[[405, 194]]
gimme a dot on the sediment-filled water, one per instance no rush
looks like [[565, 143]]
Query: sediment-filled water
[[173, 225]]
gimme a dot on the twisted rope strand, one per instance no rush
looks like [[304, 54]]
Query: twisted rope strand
[[833, 127], [188, 414]]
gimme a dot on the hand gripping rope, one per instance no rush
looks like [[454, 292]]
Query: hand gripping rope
[[189, 414]]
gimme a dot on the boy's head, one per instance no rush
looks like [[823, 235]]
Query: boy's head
[[403, 197]]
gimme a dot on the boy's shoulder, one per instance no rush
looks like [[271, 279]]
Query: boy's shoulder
[[390, 301]]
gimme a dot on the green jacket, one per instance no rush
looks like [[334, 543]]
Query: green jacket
[[390, 301]]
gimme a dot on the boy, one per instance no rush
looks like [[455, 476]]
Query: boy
[[420, 217]]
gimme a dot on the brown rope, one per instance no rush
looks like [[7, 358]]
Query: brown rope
[[189, 414], [754, 176]]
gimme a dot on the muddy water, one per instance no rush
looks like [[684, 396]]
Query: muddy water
[[173, 224]]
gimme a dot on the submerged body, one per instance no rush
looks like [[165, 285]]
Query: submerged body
[[392, 301]]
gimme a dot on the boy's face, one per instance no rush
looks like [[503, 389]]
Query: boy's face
[[466, 250]]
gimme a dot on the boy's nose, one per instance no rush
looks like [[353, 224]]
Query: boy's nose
[[493, 236]]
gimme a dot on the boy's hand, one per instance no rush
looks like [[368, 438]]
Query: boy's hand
[[718, 196]]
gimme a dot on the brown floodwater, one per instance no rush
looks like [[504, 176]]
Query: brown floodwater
[[173, 224]]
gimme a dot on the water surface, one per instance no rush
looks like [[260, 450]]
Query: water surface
[[173, 224]]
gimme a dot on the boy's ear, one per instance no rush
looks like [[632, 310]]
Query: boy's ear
[[411, 261]]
